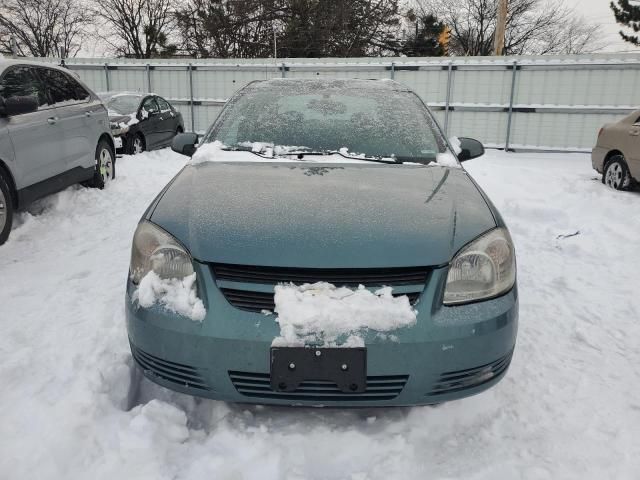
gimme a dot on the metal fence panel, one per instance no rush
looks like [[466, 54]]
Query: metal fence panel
[[550, 102]]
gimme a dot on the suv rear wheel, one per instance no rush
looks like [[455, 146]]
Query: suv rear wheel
[[6, 210], [105, 165]]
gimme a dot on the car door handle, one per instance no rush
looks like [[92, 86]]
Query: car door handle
[[52, 120], [634, 132], [88, 114]]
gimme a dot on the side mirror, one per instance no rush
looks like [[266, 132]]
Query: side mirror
[[470, 149], [18, 105], [185, 144]]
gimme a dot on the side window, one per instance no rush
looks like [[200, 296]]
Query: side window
[[80, 93], [22, 82], [149, 107], [163, 104], [62, 87]]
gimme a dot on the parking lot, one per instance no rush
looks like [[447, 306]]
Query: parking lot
[[569, 406]]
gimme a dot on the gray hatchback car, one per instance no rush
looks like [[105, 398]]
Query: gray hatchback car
[[54, 132]]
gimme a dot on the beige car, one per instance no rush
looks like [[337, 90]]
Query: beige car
[[617, 152]]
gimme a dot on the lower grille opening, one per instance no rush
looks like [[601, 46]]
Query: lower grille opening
[[460, 380], [180, 374], [258, 385], [259, 301]]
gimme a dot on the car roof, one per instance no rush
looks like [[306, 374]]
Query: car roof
[[9, 62], [329, 83], [113, 93]]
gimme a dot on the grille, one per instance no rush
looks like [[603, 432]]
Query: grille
[[177, 373], [452, 382], [413, 279], [259, 301], [257, 385], [337, 276]]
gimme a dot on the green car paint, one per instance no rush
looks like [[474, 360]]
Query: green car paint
[[358, 217]]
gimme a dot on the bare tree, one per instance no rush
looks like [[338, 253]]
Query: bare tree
[[228, 28], [42, 28], [304, 28], [341, 28], [137, 28], [534, 27]]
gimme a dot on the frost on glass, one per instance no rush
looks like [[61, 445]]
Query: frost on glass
[[356, 118]]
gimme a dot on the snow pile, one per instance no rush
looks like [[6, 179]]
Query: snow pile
[[132, 121], [218, 152], [447, 159], [176, 295], [322, 314], [73, 407], [456, 144]]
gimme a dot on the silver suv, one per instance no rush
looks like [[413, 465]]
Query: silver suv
[[54, 132]]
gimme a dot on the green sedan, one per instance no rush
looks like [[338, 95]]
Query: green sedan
[[323, 247]]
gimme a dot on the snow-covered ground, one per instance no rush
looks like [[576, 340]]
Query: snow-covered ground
[[568, 408]]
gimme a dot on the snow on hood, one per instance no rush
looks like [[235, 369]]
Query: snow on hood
[[122, 121], [265, 152], [322, 314], [218, 152]]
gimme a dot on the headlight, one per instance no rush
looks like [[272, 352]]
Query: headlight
[[116, 129], [154, 249], [485, 268]]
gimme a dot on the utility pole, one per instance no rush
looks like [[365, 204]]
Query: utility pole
[[501, 27], [275, 45]]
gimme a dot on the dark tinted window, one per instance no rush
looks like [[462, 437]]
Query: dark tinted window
[[81, 92], [62, 87], [163, 104], [149, 106], [22, 82]]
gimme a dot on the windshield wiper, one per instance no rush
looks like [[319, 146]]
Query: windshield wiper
[[273, 151], [301, 154]]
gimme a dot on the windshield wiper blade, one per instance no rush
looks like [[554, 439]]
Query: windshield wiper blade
[[387, 160], [301, 153]]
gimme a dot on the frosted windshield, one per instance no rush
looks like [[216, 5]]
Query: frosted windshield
[[338, 116]]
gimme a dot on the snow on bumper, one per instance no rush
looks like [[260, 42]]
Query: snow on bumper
[[451, 352]]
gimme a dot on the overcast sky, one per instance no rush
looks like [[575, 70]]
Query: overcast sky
[[598, 11]]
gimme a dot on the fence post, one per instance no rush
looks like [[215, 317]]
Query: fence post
[[106, 75], [393, 70], [511, 99], [148, 78], [448, 99], [193, 118], [282, 70]]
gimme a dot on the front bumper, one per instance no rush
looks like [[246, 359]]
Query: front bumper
[[451, 352]]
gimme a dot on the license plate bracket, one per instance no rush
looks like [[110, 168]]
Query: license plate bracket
[[346, 367]]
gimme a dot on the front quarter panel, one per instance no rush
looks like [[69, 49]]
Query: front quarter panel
[[6, 148]]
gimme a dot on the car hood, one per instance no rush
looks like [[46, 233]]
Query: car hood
[[121, 119], [332, 216]]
